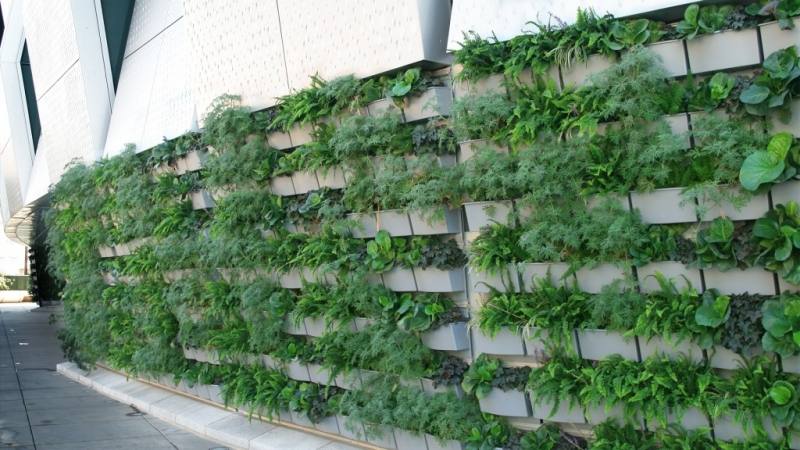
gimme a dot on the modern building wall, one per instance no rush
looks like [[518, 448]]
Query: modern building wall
[[179, 56]]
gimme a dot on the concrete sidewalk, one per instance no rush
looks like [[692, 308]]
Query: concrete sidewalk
[[40, 409]]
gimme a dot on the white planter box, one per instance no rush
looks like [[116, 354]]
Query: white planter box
[[320, 375], [394, 221], [450, 337], [543, 409], [399, 280], [673, 270], [504, 343], [754, 209], [679, 124], [793, 125], [301, 134], [297, 371], [301, 419], [328, 425], [754, 280], [511, 403], [481, 214], [350, 428], [194, 160], [774, 39], [663, 206], [552, 73], [282, 185], [201, 200], [269, 362], [435, 280], [468, 149], [505, 281], [304, 181], [291, 280], [215, 393], [672, 56], [592, 280], [317, 276], [362, 323], [721, 358], [105, 251], [331, 177], [579, 72], [490, 84], [315, 326], [429, 388], [422, 224], [350, 381], [692, 419], [783, 193], [535, 271], [434, 102], [279, 140], [659, 346], [366, 225], [407, 440], [727, 429], [723, 50], [175, 275], [597, 414], [381, 436], [791, 364], [383, 106], [535, 340], [435, 443], [289, 327], [600, 344], [207, 356]]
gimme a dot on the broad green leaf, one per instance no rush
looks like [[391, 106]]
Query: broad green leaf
[[766, 228], [760, 168], [754, 94], [780, 144], [783, 252], [781, 392], [774, 320]]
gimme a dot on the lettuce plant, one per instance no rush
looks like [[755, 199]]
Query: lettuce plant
[[778, 236]]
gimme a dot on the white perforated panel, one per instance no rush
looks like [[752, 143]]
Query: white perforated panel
[[149, 18], [50, 34], [349, 36], [236, 49], [506, 18], [171, 110], [129, 113], [8, 164], [65, 129]]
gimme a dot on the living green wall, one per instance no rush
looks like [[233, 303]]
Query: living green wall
[[206, 259]]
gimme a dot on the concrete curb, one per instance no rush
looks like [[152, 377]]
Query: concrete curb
[[227, 427]]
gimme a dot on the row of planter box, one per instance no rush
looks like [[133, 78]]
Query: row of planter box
[[449, 337], [521, 277], [384, 436], [433, 102], [311, 372], [190, 162], [594, 344], [124, 249], [515, 403], [703, 54]]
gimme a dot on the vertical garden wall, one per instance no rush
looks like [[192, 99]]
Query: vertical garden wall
[[586, 237]]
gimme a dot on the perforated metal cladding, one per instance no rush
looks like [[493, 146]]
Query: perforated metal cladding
[[129, 113], [8, 164], [149, 18], [171, 111], [65, 127], [236, 49], [50, 35], [334, 38]]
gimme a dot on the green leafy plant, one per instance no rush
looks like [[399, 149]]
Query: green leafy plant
[[776, 164], [778, 236], [478, 380], [480, 57], [724, 245], [699, 20], [782, 10], [781, 321], [775, 86], [482, 117]]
